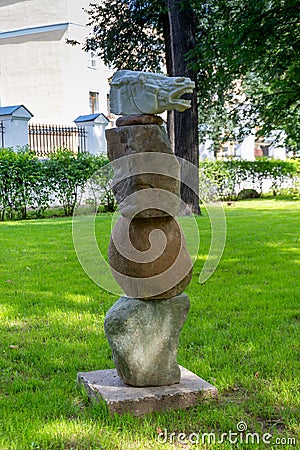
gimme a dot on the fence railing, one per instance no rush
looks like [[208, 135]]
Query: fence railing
[[47, 139], [2, 133]]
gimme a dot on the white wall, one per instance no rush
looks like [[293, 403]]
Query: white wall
[[247, 148], [81, 79], [31, 72], [277, 148], [52, 79], [278, 152], [16, 133], [16, 127], [29, 13], [75, 10]]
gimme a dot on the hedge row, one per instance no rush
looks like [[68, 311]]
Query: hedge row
[[28, 183], [228, 177]]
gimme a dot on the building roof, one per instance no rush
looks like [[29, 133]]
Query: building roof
[[10, 110], [91, 118], [33, 30]]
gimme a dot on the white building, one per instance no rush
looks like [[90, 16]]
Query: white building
[[56, 81], [249, 149]]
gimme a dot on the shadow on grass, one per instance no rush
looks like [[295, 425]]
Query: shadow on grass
[[241, 335]]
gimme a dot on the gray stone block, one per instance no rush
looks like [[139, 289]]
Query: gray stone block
[[144, 336], [143, 154], [149, 257], [128, 140], [121, 398]]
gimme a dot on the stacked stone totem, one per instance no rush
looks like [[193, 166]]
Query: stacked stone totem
[[147, 253]]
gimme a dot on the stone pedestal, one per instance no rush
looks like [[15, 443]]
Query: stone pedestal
[[121, 398]]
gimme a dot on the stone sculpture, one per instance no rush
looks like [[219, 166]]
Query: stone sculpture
[[148, 93], [147, 252]]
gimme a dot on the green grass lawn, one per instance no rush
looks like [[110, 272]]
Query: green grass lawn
[[242, 335]]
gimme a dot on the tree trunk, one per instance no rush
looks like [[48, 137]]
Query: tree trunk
[[182, 39], [169, 65]]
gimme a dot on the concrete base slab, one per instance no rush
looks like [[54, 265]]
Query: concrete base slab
[[121, 398]]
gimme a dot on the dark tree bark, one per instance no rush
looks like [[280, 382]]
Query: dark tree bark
[[182, 40], [169, 65]]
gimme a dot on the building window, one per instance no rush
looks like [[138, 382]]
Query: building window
[[258, 152], [92, 60], [224, 151], [108, 105], [94, 102], [265, 150], [237, 150]]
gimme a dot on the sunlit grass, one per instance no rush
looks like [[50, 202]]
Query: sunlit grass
[[242, 335]]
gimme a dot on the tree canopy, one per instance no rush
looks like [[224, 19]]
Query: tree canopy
[[248, 60], [128, 34], [246, 55]]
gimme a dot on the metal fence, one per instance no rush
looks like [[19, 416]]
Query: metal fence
[[2, 133], [47, 139]]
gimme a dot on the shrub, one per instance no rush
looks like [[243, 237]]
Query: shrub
[[247, 193], [22, 183], [229, 176], [67, 174], [28, 183], [99, 185]]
